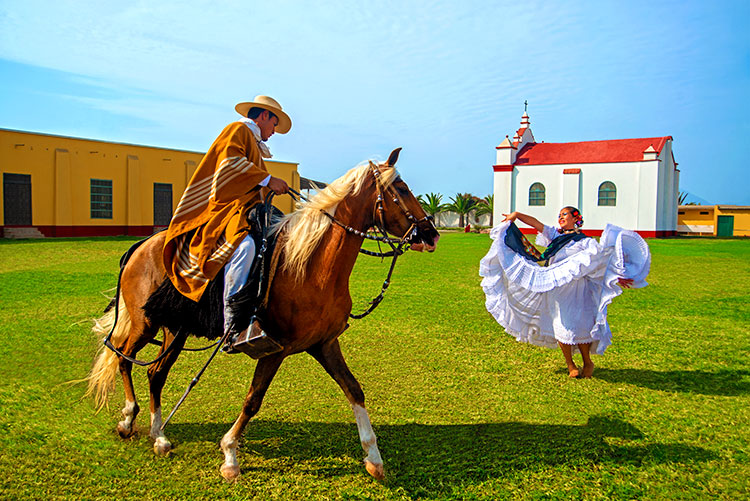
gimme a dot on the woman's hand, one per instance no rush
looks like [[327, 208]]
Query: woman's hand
[[510, 217], [625, 282]]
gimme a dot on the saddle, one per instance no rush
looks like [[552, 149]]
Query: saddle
[[169, 308]]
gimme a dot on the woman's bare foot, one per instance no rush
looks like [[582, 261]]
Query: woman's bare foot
[[588, 370], [573, 371]]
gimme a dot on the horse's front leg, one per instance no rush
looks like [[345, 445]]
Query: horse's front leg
[[330, 357], [138, 336], [264, 373]]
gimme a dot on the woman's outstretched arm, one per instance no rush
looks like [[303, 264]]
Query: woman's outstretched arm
[[524, 218]]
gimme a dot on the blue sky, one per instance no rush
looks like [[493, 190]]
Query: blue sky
[[444, 80]]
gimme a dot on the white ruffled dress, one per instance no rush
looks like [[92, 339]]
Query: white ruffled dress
[[567, 300]]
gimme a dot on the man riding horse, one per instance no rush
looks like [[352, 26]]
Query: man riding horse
[[209, 228]]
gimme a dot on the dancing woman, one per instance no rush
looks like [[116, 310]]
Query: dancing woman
[[565, 302]]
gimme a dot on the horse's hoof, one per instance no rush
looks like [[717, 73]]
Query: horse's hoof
[[376, 470], [162, 446], [125, 431], [230, 472]]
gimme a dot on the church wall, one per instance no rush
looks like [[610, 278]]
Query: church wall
[[637, 185], [647, 195], [582, 191], [551, 177], [669, 208], [661, 196], [571, 188], [503, 193], [624, 212], [676, 188]]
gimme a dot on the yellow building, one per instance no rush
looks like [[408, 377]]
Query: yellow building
[[63, 186], [714, 220]]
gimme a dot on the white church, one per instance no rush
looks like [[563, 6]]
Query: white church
[[632, 183]]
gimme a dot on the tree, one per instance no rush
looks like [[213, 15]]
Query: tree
[[462, 204], [432, 205], [486, 206], [681, 196]]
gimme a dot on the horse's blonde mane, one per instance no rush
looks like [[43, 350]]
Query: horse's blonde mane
[[306, 226]]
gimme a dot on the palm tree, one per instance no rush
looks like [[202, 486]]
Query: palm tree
[[681, 196], [432, 205], [486, 206], [462, 204]]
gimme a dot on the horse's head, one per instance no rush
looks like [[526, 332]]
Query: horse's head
[[399, 212]]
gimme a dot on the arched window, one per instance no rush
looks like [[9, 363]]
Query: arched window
[[608, 194], [536, 194]]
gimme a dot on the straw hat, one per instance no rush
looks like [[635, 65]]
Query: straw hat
[[270, 104]]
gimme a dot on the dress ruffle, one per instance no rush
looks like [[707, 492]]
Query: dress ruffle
[[566, 301]]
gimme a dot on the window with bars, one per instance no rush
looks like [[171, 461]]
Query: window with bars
[[608, 194], [101, 199], [536, 194]]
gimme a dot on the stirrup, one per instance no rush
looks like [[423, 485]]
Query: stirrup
[[254, 342]]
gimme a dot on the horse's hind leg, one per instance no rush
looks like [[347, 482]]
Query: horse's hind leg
[[264, 373], [330, 357], [137, 339], [126, 427], [157, 376]]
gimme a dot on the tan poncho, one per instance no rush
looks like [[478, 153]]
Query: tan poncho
[[209, 221]]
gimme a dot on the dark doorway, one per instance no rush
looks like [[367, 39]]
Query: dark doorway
[[162, 204], [725, 226], [17, 199]]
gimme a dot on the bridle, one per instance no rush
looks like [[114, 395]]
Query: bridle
[[398, 246], [396, 198]]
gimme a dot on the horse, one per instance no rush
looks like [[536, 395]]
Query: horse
[[307, 305]]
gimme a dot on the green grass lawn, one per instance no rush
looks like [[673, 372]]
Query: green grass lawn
[[461, 410]]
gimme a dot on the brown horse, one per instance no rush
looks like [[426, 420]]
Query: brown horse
[[307, 308]]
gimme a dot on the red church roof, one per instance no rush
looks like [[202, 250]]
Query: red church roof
[[586, 152]]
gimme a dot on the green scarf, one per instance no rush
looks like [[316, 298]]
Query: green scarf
[[560, 242]]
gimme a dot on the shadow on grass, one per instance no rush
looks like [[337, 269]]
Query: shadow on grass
[[428, 459], [724, 383]]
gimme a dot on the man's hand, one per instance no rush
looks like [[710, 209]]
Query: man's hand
[[278, 185]]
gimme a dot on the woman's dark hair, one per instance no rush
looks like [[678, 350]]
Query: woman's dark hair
[[576, 215]]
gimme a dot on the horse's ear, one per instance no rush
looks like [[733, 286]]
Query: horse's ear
[[393, 157]]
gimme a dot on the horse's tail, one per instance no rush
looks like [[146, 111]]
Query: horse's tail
[[101, 379]]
